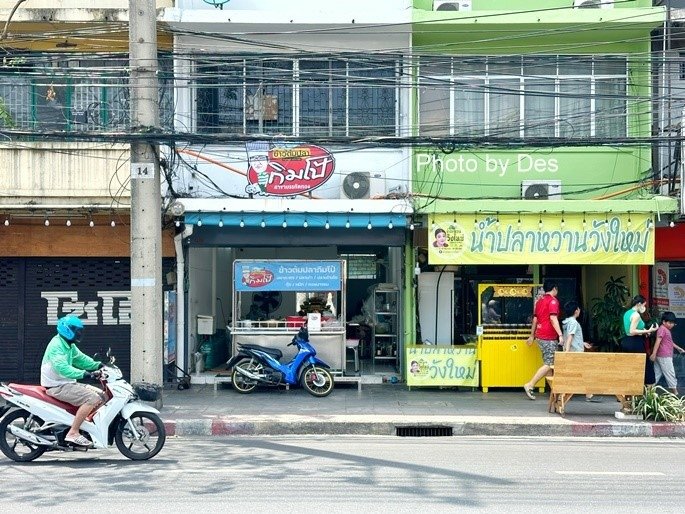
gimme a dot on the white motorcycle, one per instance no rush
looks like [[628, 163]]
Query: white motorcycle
[[35, 423]]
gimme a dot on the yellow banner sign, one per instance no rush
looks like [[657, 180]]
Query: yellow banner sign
[[545, 239], [441, 366]]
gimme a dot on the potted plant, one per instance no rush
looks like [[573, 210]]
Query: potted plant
[[658, 404], [607, 313]]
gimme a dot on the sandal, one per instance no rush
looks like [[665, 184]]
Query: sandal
[[529, 393], [79, 440]]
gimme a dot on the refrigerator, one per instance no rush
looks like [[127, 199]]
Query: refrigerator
[[436, 307]]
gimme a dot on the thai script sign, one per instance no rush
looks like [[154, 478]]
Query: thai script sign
[[286, 170], [110, 307], [302, 276], [541, 239], [441, 366]]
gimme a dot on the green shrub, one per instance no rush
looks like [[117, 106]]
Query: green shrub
[[658, 404], [607, 314]]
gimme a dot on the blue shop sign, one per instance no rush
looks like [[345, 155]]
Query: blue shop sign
[[303, 276]]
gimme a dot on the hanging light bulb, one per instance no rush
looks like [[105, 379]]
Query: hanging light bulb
[[221, 223], [7, 222], [242, 223], [540, 224], [347, 223], [113, 224], [475, 223], [327, 225], [305, 224], [411, 226], [563, 223], [518, 223], [91, 224], [263, 223], [284, 224], [390, 225], [369, 226], [199, 223], [68, 223], [671, 224], [47, 222], [177, 222]]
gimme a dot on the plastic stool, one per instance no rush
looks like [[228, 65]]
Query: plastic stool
[[353, 344]]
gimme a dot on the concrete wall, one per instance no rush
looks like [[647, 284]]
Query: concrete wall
[[77, 4], [65, 173]]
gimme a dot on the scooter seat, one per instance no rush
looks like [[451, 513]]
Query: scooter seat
[[274, 352], [39, 392]]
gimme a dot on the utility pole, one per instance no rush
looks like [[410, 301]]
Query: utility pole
[[146, 225]]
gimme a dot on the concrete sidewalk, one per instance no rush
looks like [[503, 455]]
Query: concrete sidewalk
[[381, 409]]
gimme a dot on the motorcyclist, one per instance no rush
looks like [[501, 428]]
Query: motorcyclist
[[63, 363]]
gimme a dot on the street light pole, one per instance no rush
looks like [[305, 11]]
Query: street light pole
[[146, 229]]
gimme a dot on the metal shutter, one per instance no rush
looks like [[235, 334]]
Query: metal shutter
[[11, 274]]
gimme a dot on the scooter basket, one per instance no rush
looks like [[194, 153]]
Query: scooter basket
[[146, 392]]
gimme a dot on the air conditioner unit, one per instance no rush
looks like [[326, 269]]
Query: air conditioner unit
[[362, 184], [461, 5], [541, 189], [593, 4]]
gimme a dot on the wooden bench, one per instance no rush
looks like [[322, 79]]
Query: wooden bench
[[619, 374]]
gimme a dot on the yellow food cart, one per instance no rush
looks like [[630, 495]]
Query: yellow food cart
[[505, 314]]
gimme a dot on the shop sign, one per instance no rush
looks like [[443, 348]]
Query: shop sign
[[109, 308], [286, 169], [541, 239], [441, 365], [676, 299], [661, 293], [301, 276]]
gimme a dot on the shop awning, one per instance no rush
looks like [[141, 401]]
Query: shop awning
[[298, 220], [286, 213], [656, 205]]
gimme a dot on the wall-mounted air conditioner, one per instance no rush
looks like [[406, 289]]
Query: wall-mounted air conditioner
[[541, 189], [593, 4], [362, 184], [460, 5]]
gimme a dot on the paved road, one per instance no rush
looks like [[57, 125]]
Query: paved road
[[360, 474]]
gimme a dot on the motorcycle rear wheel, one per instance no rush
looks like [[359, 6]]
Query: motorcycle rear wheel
[[148, 441], [317, 381], [240, 382], [14, 448]]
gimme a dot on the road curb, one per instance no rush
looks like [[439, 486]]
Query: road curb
[[371, 426]]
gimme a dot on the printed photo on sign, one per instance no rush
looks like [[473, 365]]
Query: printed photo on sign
[[286, 169]]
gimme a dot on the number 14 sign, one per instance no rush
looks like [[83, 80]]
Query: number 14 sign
[[142, 170]]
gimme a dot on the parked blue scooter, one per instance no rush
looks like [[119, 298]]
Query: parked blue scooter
[[254, 365]]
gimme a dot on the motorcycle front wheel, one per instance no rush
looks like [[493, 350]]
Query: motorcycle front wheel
[[147, 440], [17, 449], [317, 381], [240, 382]]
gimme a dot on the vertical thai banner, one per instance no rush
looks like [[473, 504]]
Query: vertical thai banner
[[661, 293]]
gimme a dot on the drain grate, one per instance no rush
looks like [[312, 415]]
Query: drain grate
[[435, 431]]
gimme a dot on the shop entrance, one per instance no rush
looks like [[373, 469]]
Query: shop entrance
[[369, 316]]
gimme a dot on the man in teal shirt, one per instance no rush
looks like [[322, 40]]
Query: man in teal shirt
[[63, 364]]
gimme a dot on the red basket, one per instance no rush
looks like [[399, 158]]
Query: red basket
[[295, 321]]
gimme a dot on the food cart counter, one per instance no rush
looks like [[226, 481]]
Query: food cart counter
[[302, 279], [505, 315]]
